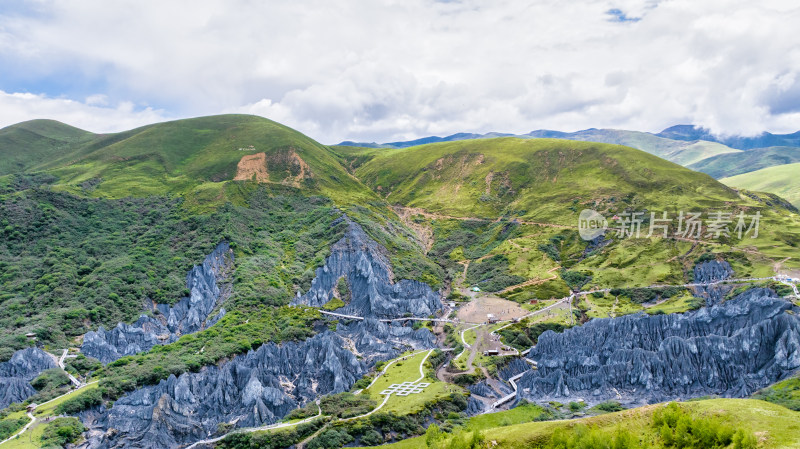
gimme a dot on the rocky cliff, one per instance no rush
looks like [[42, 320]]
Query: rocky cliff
[[251, 390], [362, 262], [731, 350], [188, 315], [17, 373], [708, 272]]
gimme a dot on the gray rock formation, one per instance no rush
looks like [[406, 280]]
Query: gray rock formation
[[17, 373], [188, 315], [708, 272], [474, 407], [731, 349], [251, 390], [363, 263]]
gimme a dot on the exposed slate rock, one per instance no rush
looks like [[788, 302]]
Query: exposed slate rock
[[188, 315], [483, 389], [474, 407], [708, 272], [363, 263], [730, 350], [251, 390], [17, 373], [512, 368]]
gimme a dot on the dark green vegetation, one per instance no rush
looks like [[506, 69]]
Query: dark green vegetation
[[523, 335], [785, 393], [88, 399], [237, 332], [70, 264], [279, 439], [82, 365], [491, 274], [346, 405], [383, 427], [62, 431], [41, 140], [643, 295], [10, 426], [50, 379], [731, 164]]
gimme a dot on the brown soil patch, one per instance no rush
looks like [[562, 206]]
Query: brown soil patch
[[476, 310], [423, 231], [252, 165]]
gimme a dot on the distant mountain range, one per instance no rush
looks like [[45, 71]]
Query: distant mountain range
[[684, 133]]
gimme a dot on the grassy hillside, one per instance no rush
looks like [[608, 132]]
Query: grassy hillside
[[195, 157], [767, 426], [732, 164], [29, 145], [781, 180], [543, 179]]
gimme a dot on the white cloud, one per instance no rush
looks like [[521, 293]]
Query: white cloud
[[15, 108], [370, 70]]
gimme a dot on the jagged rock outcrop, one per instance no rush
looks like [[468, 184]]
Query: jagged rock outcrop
[[731, 350], [188, 315], [373, 340], [474, 407], [483, 389], [363, 263], [17, 373], [708, 272], [251, 390]]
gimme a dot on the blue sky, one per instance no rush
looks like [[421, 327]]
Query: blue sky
[[394, 70]]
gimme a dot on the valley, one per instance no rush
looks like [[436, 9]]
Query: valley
[[227, 282]]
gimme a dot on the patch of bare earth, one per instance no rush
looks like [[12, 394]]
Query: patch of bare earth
[[423, 230], [297, 169], [476, 311], [252, 165]]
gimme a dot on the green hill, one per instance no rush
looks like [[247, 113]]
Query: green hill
[[29, 145], [781, 180], [196, 156], [543, 179], [732, 164], [767, 425]]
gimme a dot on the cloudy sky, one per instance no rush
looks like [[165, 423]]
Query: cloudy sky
[[374, 70]]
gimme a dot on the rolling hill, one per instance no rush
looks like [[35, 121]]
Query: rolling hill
[[532, 178], [782, 180], [732, 164], [678, 151], [30, 145]]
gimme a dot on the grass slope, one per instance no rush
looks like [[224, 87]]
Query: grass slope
[[781, 180], [195, 156], [544, 179], [732, 164], [28, 145], [775, 427]]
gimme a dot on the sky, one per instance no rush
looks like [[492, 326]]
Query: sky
[[377, 70]]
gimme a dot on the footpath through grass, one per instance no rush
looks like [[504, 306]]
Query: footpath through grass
[[407, 369]]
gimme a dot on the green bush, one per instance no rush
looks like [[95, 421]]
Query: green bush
[[62, 431], [81, 402]]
